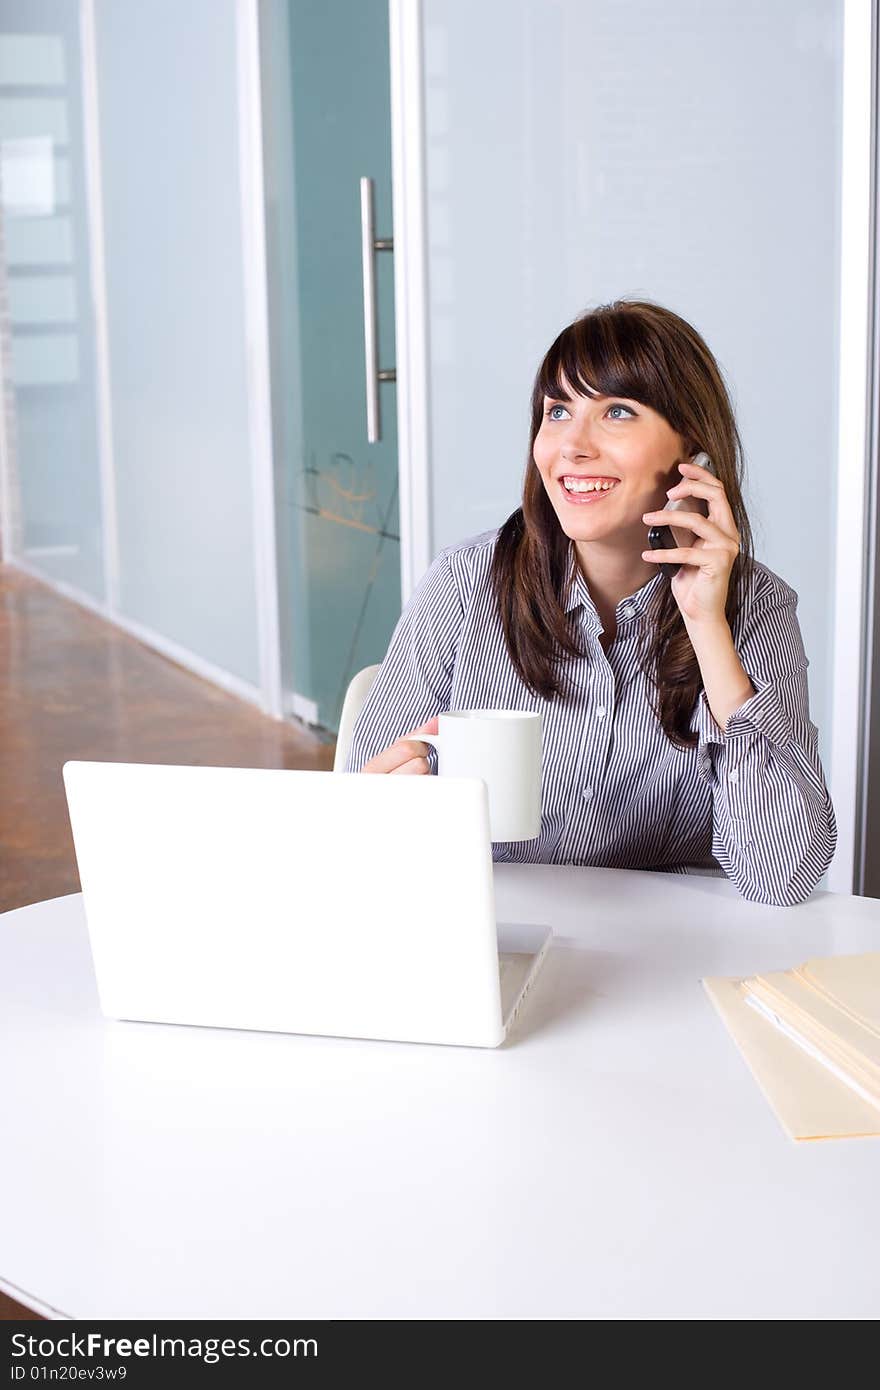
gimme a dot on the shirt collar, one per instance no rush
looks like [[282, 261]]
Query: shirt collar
[[579, 595]]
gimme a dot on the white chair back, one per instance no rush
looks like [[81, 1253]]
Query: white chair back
[[359, 688]]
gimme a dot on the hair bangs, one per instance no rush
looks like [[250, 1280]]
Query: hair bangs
[[604, 355]]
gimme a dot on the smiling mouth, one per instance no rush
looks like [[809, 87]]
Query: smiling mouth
[[586, 491]]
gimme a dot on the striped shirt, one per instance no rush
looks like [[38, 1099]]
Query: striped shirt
[[616, 792]]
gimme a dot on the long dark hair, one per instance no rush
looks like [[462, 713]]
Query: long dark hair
[[646, 353]]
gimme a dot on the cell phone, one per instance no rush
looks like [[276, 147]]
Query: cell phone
[[663, 537]]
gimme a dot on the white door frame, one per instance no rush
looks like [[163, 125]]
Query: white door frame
[[865, 876], [853, 464], [259, 387], [410, 289], [98, 272]]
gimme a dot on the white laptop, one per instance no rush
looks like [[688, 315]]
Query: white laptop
[[297, 902]]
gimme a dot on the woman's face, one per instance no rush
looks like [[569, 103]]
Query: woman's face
[[624, 452]]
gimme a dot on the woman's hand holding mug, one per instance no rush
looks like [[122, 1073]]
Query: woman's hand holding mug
[[503, 747], [408, 755]]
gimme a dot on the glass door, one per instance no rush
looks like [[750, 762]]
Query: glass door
[[326, 127], [52, 484]]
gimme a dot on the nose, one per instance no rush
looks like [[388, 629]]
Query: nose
[[579, 442]]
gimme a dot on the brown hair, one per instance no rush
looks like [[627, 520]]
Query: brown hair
[[646, 353]]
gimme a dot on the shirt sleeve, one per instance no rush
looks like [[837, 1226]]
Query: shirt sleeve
[[414, 681], [773, 827]]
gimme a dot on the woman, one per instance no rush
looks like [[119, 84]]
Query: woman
[[676, 727]]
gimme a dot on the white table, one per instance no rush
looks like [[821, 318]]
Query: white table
[[614, 1159]]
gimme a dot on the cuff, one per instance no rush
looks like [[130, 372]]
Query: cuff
[[761, 713]]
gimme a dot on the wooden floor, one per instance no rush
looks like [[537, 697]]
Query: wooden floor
[[74, 686]]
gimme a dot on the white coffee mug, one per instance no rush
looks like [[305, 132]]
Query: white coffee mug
[[503, 746]]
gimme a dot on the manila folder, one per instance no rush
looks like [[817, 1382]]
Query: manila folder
[[809, 1100]]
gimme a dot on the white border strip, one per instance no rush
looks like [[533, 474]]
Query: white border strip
[[181, 656], [98, 272], [256, 317], [410, 289], [852, 437]]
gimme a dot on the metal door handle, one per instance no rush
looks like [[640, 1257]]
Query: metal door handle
[[369, 246]]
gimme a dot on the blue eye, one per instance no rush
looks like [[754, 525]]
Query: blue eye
[[629, 413]]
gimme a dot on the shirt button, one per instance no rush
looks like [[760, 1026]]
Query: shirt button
[[733, 775], [588, 793], [627, 610], [600, 712]]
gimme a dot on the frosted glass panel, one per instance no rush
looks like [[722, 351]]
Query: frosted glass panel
[[167, 85], [30, 58], [51, 359], [339, 541], [27, 175], [579, 150], [53, 446], [41, 300], [39, 241], [22, 116]]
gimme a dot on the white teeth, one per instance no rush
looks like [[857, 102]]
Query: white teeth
[[585, 485]]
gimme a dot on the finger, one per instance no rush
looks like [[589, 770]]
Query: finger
[[687, 555], [401, 752], [697, 487], [410, 748], [415, 767], [712, 490], [698, 480], [693, 470], [691, 521]]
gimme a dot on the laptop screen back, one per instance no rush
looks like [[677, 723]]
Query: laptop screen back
[[306, 902]]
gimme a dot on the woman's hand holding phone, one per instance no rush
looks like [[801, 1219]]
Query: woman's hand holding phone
[[668, 537], [700, 583], [407, 756]]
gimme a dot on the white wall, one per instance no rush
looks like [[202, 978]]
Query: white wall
[[169, 140]]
